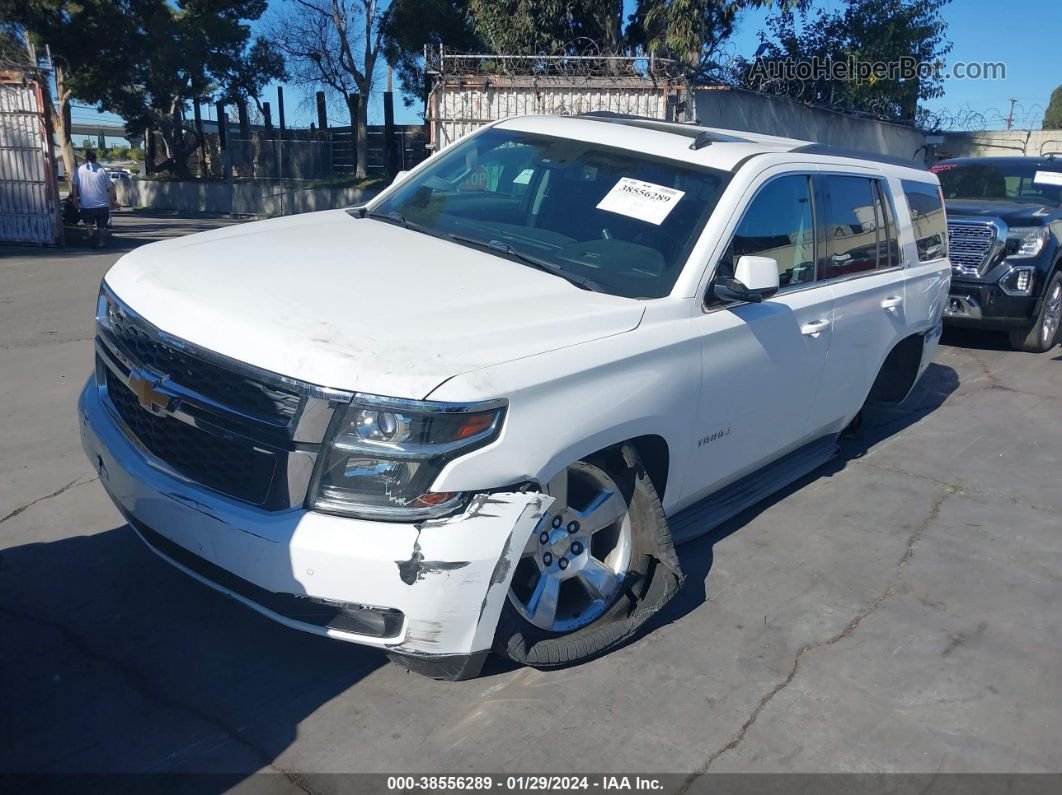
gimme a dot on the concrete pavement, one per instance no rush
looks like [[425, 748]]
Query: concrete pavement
[[895, 611]]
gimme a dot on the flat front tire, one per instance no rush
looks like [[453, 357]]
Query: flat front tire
[[599, 565]]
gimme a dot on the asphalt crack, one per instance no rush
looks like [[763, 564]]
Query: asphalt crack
[[852, 626], [989, 376], [23, 508], [958, 488], [143, 686]]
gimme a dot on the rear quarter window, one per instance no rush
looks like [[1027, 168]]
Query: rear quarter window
[[927, 219]]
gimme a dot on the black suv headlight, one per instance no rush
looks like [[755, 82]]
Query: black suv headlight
[[1024, 242], [382, 455]]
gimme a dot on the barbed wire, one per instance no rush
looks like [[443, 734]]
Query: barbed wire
[[582, 58], [731, 69], [970, 119]]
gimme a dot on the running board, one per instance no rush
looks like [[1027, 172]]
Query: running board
[[713, 510]]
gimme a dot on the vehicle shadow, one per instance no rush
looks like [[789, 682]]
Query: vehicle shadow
[[879, 423], [114, 662], [979, 339]]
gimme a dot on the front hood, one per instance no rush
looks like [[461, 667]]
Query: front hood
[[358, 304], [1014, 213]]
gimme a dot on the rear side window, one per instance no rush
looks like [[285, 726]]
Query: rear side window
[[927, 219], [860, 233]]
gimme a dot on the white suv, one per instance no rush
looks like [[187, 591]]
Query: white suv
[[478, 412]]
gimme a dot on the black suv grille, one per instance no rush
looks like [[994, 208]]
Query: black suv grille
[[227, 465], [223, 386]]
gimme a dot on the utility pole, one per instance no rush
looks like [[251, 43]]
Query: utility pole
[[322, 115], [1010, 116]]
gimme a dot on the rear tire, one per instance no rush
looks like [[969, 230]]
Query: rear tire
[[619, 566], [1043, 335]]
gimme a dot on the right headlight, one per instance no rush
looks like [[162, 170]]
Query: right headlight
[[382, 455]]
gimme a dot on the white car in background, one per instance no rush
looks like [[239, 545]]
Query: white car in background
[[479, 412]]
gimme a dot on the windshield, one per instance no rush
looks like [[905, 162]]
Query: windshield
[[608, 219], [1031, 182]]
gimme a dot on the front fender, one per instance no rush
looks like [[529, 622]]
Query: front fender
[[567, 404]]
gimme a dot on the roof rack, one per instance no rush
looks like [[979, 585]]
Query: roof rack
[[701, 137], [856, 154]]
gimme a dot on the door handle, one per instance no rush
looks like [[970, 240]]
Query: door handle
[[815, 327], [891, 302]]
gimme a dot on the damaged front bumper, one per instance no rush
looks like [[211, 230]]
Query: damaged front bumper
[[428, 594]]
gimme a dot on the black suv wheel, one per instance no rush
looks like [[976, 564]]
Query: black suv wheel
[[1044, 333]]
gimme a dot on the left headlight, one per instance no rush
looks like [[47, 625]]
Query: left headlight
[[1026, 241], [382, 455], [106, 309]]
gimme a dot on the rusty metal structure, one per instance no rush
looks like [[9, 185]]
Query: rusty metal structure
[[470, 90], [29, 193]]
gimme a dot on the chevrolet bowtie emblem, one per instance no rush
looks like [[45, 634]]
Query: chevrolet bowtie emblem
[[148, 393]]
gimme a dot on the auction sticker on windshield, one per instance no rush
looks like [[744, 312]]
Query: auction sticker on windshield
[[1045, 178], [642, 200]]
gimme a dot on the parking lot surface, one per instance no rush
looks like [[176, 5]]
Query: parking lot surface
[[898, 610]]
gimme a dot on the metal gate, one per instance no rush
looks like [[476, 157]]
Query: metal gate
[[29, 211]]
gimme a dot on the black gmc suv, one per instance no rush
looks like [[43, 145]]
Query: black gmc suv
[[1005, 244]]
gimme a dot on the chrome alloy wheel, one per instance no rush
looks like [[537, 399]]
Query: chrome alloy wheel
[[1052, 315], [573, 567]]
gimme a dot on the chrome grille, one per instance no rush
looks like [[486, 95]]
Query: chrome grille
[[225, 465], [250, 397], [969, 245], [247, 433]]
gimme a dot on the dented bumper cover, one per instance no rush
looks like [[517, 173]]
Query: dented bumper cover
[[429, 594]]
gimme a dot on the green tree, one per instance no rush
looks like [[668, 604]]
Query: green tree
[[690, 31], [909, 34], [1053, 114], [146, 60], [184, 53], [413, 24], [12, 47], [552, 27]]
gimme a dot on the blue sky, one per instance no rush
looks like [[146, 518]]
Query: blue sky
[[1024, 36]]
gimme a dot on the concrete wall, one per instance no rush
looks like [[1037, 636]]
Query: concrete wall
[[1000, 142], [736, 109], [250, 198]]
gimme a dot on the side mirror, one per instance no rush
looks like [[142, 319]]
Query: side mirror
[[755, 279]]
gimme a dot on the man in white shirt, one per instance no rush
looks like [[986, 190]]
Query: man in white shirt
[[94, 195]]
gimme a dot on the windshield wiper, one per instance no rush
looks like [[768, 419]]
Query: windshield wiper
[[396, 218], [535, 262]]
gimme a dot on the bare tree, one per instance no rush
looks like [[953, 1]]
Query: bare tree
[[335, 44]]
